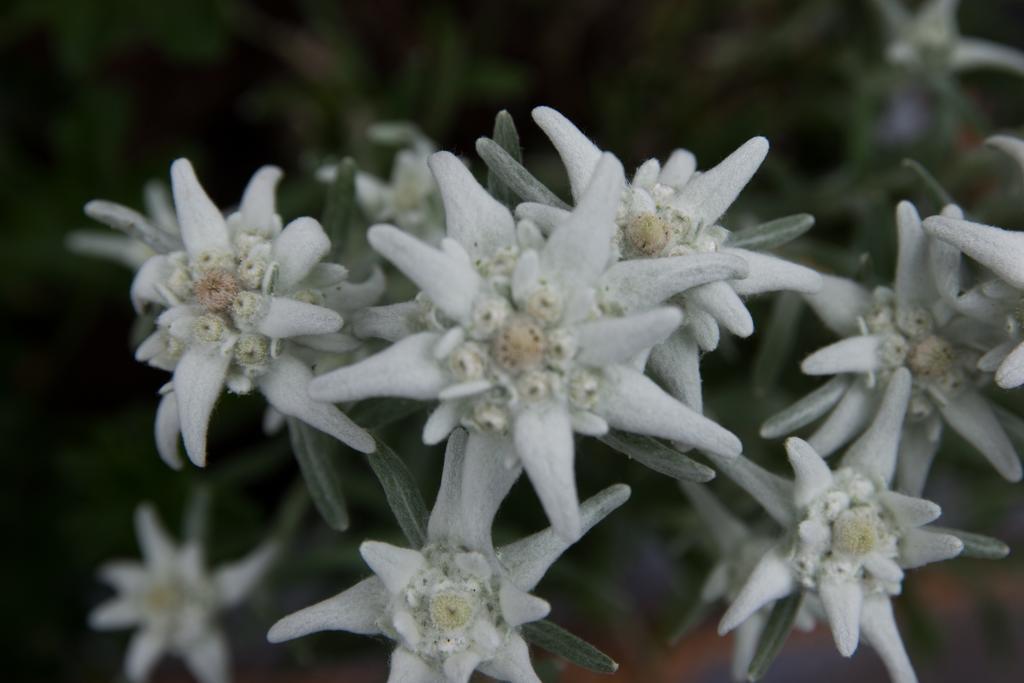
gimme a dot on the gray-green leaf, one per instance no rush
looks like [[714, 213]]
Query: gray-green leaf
[[507, 137], [340, 208], [977, 546], [773, 233], [556, 640], [658, 456], [514, 175], [402, 494], [773, 637], [317, 455]]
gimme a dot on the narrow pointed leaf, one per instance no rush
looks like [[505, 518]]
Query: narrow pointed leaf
[[977, 546], [776, 631], [939, 194], [375, 413], [317, 455], [340, 209], [556, 640], [507, 137], [778, 340], [403, 495], [772, 234], [658, 456], [692, 617], [514, 175]]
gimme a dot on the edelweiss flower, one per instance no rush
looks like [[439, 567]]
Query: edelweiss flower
[[174, 600], [454, 605], [911, 326], [739, 550], [930, 38], [673, 211], [850, 538], [515, 345], [143, 236], [247, 305], [409, 198]]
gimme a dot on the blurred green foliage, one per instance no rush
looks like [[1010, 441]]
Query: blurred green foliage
[[96, 97]]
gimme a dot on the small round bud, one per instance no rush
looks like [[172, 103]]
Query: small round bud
[[212, 260], [561, 347], [251, 272], [931, 357], [583, 388], [450, 611], [252, 349], [216, 290], [855, 532], [533, 386], [893, 351], [489, 314], [647, 233], [920, 407], [248, 308], [545, 304], [468, 362], [180, 283], [209, 328], [519, 345], [914, 321], [490, 417]]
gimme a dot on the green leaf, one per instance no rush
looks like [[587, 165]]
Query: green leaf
[[340, 208], [507, 137], [773, 637], [514, 175], [773, 233], [375, 413], [658, 456], [402, 493], [317, 455], [556, 640], [197, 514], [778, 341], [977, 546], [934, 187], [290, 512], [691, 618]]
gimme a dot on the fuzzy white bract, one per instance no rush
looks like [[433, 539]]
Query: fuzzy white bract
[[243, 303], [456, 604], [173, 600], [850, 538], [514, 336], [913, 325], [670, 211]]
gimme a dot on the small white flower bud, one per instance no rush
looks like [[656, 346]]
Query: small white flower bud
[[533, 386], [490, 417], [248, 308], [489, 314], [647, 233], [914, 321], [209, 328], [468, 362], [931, 357], [519, 345], [583, 388], [561, 347], [252, 349], [251, 272], [212, 260], [545, 304]]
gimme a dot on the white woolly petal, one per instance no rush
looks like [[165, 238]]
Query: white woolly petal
[[1010, 374], [707, 196], [771, 579], [748, 634], [299, 247], [208, 659], [917, 450], [913, 285], [919, 547], [703, 326], [198, 380], [579, 155], [544, 442], [807, 409], [1010, 145], [812, 476], [117, 613], [771, 274], [909, 511], [546, 217], [125, 576], [144, 650], [975, 53], [352, 296], [391, 323], [853, 354], [634, 403], [147, 284], [641, 283], [441, 422], [839, 303], [286, 387], [588, 424], [236, 580], [138, 227], [528, 559], [846, 421], [512, 663], [450, 283], [526, 276], [257, 209], [157, 547], [874, 453], [122, 249], [879, 627], [989, 362], [408, 668], [406, 369], [842, 601], [676, 365], [616, 340], [679, 168], [577, 251], [460, 666], [395, 566], [721, 301], [167, 430], [202, 224], [971, 416], [355, 610], [647, 174], [474, 218], [883, 568], [1000, 250], [292, 318], [519, 607]]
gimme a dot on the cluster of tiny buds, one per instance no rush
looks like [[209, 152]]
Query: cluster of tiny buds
[[666, 231], [171, 603], [450, 605], [911, 341], [841, 528]]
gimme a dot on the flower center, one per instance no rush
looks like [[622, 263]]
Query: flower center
[[519, 345], [161, 598], [854, 532], [931, 357], [648, 233], [216, 290], [450, 611]]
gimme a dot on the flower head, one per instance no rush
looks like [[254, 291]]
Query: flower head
[[174, 600], [244, 304], [456, 604], [513, 341]]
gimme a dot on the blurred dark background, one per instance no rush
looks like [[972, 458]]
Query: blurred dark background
[[97, 97]]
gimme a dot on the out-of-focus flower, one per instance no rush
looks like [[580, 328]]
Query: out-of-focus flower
[[930, 39], [456, 604], [245, 304], [510, 336], [850, 538], [671, 211], [173, 600], [914, 325]]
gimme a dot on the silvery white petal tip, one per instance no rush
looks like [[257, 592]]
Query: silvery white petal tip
[[579, 155], [853, 354], [1000, 250], [395, 566], [771, 579], [843, 601], [202, 224], [812, 475]]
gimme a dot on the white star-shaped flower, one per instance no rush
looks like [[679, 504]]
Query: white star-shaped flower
[[849, 538], [512, 340], [173, 600], [674, 210], [914, 325], [930, 39], [456, 604], [245, 304]]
